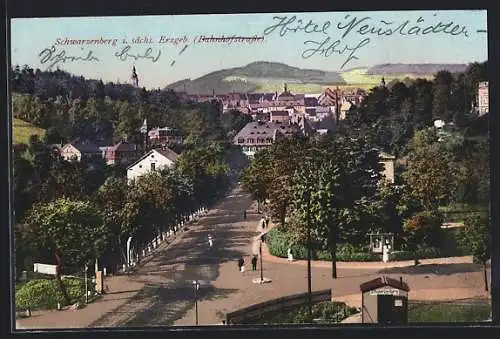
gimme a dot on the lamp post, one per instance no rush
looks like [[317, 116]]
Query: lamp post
[[86, 287], [309, 273], [260, 254], [196, 286]]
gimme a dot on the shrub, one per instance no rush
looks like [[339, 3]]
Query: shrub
[[278, 243], [422, 253], [45, 293], [327, 311], [424, 229]]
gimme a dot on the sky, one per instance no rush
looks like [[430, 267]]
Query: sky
[[192, 58]]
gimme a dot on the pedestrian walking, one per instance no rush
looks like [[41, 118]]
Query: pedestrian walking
[[244, 215], [267, 221], [254, 263], [241, 262], [210, 241]]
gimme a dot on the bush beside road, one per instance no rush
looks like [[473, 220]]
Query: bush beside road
[[278, 243]]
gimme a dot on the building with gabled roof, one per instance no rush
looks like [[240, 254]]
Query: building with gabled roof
[[154, 160], [261, 134], [122, 153], [78, 149]]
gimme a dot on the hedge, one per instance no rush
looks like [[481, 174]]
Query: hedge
[[326, 312], [45, 293], [278, 243]]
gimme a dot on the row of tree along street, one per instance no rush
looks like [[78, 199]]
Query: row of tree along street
[[329, 193], [88, 222], [86, 210]]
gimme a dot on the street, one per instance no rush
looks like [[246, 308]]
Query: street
[[167, 297]]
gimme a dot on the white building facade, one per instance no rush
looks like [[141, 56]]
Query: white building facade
[[154, 160]]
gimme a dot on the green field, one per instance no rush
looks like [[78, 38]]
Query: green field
[[21, 131], [448, 312], [356, 78]]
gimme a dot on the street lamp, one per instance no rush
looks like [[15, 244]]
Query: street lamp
[[309, 273], [196, 287], [86, 286], [260, 254]]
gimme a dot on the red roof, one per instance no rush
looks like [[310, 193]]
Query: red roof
[[384, 281]]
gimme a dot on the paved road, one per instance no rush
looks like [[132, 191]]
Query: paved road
[[168, 297]]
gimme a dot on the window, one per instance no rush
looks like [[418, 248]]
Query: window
[[240, 141], [250, 140], [153, 166]]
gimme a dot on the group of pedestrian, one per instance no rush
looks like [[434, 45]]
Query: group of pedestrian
[[241, 264], [264, 222]]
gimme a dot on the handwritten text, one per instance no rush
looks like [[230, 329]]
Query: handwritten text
[[124, 54], [355, 26], [52, 57]]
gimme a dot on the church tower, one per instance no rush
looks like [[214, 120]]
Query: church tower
[[135, 78]]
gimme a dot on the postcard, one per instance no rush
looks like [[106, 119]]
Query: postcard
[[249, 169]]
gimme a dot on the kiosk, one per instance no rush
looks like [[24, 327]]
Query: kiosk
[[384, 301]]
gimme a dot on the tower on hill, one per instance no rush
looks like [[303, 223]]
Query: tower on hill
[[135, 78]]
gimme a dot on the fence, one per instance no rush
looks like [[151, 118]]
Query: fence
[[143, 252], [279, 304]]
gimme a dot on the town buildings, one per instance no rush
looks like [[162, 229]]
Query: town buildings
[[483, 100], [164, 135], [261, 134], [123, 152], [388, 161], [334, 102], [154, 160], [79, 149]]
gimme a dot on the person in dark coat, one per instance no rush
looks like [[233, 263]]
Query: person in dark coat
[[254, 263], [241, 262], [244, 215]]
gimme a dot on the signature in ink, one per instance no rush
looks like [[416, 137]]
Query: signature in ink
[[327, 48], [52, 57], [123, 54]]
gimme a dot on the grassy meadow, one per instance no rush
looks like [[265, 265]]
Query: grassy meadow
[[21, 131]]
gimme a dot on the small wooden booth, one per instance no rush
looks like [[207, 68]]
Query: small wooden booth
[[384, 301], [379, 240]]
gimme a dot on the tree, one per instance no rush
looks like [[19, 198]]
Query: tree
[[332, 188], [255, 178], [111, 197], [146, 207], [442, 108], [282, 167], [70, 228], [423, 229], [475, 235], [233, 121], [428, 174]]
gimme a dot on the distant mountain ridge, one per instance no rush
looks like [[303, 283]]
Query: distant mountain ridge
[[416, 69], [270, 76]]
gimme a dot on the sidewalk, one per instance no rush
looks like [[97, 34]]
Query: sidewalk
[[266, 256], [121, 289]]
